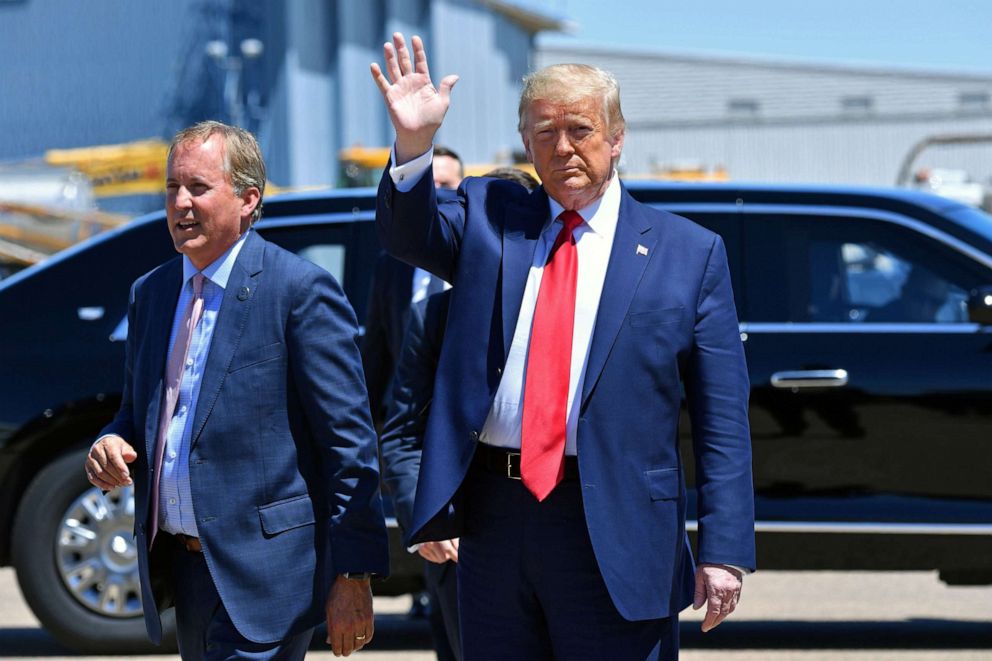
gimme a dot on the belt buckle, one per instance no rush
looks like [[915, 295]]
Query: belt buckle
[[509, 465]]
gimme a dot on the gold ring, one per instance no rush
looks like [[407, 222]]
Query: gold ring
[[362, 637]]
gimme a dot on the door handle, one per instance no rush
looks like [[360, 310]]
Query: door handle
[[810, 379]]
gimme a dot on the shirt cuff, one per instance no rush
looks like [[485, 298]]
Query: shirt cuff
[[100, 439], [408, 175]]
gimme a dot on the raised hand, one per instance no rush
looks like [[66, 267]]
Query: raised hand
[[416, 108]]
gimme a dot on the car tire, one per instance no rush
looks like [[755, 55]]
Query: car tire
[[35, 547]]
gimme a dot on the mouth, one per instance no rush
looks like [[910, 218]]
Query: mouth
[[186, 225]]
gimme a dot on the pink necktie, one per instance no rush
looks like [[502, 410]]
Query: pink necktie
[[174, 371], [549, 359]]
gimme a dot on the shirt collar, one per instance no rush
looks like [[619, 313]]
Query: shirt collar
[[601, 216], [219, 271]]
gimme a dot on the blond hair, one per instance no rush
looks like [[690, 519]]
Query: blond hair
[[568, 83], [243, 162]]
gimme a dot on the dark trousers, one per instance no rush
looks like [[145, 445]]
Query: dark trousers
[[204, 628], [442, 585], [529, 586]]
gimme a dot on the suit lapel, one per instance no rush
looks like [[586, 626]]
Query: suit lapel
[[522, 227], [164, 296], [239, 296], [632, 248]]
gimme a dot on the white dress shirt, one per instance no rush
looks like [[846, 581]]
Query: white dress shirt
[[594, 242]]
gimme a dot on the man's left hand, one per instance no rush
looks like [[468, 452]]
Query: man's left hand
[[349, 615], [719, 587]]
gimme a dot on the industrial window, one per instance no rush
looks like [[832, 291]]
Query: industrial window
[[857, 105], [743, 108], [975, 100]]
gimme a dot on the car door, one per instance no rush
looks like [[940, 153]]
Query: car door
[[871, 390]]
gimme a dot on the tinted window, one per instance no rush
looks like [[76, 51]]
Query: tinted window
[[853, 270], [346, 250]]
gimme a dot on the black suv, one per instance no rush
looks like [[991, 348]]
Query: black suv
[[865, 314]]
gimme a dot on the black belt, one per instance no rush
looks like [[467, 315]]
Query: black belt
[[506, 462]]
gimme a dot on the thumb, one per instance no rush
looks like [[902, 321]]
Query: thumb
[[699, 597], [447, 83], [128, 453]]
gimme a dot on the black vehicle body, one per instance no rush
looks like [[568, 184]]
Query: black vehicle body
[[872, 443]]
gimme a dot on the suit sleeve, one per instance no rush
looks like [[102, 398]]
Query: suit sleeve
[[377, 359], [326, 368], [413, 228], [717, 389], [406, 416], [123, 423]]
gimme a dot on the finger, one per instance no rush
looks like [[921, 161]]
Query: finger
[[419, 56], [117, 461], [103, 469], [99, 483], [392, 64], [403, 53], [447, 83], [713, 614], [347, 643], [128, 453], [380, 79]]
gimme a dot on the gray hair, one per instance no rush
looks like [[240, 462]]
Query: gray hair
[[567, 83], [243, 162]]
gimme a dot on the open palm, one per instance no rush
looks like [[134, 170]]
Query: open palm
[[416, 108]]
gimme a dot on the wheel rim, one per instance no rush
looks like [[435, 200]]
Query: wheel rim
[[96, 555]]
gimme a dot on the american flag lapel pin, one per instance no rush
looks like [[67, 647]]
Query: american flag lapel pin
[[641, 250]]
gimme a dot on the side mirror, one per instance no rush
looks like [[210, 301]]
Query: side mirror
[[980, 305]]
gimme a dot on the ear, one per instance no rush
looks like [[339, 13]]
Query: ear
[[617, 146], [249, 201], [526, 141]]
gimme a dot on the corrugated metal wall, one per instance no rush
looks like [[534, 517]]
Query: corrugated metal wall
[[789, 122]]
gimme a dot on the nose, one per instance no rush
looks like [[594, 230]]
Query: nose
[[182, 198], [563, 146]]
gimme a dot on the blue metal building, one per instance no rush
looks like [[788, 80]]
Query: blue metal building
[[296, 72]]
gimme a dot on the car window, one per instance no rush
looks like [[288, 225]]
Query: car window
[[329, 256], [853, 270]]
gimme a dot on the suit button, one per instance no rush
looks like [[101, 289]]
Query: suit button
[[474, 436], [499, 371]]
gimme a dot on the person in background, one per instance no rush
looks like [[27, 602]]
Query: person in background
[[402, 437], [578, 317], [448, 170], [244, 427], [394, 285]]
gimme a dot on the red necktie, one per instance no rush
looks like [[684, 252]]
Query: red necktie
[[174, 370], [542, 440]]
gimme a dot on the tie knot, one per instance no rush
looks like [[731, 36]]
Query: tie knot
[[570, 219], [198, 285]]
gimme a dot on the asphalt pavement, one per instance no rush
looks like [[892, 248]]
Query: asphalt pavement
[[782, 616]]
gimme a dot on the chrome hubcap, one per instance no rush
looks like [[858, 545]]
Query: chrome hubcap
[[96, 554]]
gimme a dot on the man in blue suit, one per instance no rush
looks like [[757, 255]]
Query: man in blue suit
[[246, 421], [577, 318]]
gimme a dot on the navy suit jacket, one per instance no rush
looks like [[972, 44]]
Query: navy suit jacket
[[386, 318], [282, 464], [402, 438], [666, 322]]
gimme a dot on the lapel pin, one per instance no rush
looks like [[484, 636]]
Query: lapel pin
[[243, 294], [641, 250]]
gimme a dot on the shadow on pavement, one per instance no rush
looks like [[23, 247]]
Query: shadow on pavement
[[920, 634], [398, 632], [392, 632]]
